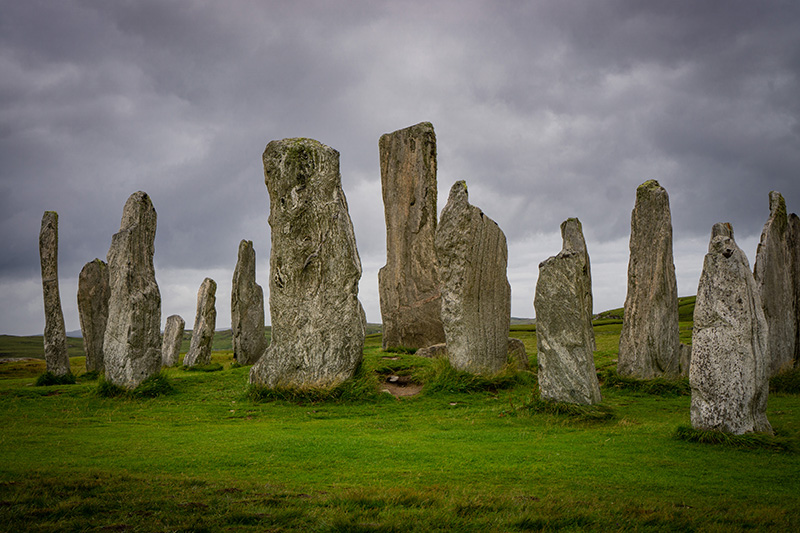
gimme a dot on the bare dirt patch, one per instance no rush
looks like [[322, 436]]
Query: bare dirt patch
[[401, 386]]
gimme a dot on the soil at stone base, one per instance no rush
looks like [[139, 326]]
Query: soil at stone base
[[401, 386]]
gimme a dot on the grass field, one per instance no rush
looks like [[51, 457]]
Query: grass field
[[207, 458]]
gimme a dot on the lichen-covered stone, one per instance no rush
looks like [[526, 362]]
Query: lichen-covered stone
[[173, 337], [729, 370], [205, 321], [93, 295], [318, 324], [572, 239], [472, 256], [794, 246], [408, 285], [247, 308], [55, 333], [434, 351], [685, 359], [649, 345], [132, 343], [516, 356]]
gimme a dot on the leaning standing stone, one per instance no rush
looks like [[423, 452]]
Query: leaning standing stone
[[55, 333], [411, 303], [649, 345], [204, 323], [572, 238], [729, 371], [93, 294], [132, 344], [318, 324], [247, 308], [173, 337], [476, 297]]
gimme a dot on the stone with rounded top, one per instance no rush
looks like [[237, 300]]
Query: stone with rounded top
[[55, 333], [247, 308], [205, 321], [93, 295], [572, 239], [173, 337]]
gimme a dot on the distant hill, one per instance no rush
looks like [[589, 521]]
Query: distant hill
[[685, 310]]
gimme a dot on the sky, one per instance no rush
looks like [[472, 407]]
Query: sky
[[548, 110]]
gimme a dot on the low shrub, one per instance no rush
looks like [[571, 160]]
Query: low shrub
[[440, 376], [48, 378], [786, 382]]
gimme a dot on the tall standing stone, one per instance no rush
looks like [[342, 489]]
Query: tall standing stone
[[794, 242], [204, 323], [247, 308], [476, 298], [729, 374], [411, 303], [173, 337], [318, 324], [649, 345], [55, 333], [773, 277], [132, 343], [572, 238], [93, 295]]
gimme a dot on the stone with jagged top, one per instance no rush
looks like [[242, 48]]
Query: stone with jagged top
[[93, 295], [247, 308]]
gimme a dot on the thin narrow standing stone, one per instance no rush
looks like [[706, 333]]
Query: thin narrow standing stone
[[476, 297], [649, 345], [93, 295], [204, 323], [794, 241], [572, 239], [173, 337], [247, 308], [318, 324], [55, 333], [411, 303]]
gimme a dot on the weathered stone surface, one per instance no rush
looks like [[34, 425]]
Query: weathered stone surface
[[434, 351], [773, 277], [205, 321], [794, 246], [318, 324], [247, 308], [55, 333], [411, 303], [517, 356], [132, 343], [685, 359], [173, 337], [572, 239], [729, 371], [93, 294], [472, 256], [563, 333], [649, 345]]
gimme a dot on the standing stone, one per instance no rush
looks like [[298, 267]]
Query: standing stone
[[173, 337], [794, 243], [318, 324], [204, 323], [411, 303], [476, 297], [93, 294], [729, 372], [649, 345], [247, 308], [132, 344], [55, 333], [572, 238], [773, 277]]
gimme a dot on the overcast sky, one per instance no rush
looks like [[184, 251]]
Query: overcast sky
[[548, 109]]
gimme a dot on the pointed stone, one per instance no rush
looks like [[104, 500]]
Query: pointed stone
[[318, 324], [55, 333], [247, 308], [205, 321], [794, 244], [729, 371], [173, 337], [476, 298], [132, 343], [93, 295], [572, 239], [649, 345], [411, 303]]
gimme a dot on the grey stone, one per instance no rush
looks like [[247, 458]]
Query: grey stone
[[247, 308], [649, 345], [729, 370], [132, 343], [772, 272], [55, 333], [572, 239], [173, 337], [93, 295], [685, 359], [472, 256], [794, 243], [434, 351], [205, 321], [411, 303], [517, 356], [318, 324]]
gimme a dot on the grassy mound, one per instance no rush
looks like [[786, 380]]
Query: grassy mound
[[751, 441], [152, 387], [48, 378]]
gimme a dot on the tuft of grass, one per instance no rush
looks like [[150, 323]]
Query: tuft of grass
[[583, 413], [48, 378], [751, 441], [89, 376], [440, 376], [363, 387], [657, 386], [211, 367], [786, 382], [152, 387]]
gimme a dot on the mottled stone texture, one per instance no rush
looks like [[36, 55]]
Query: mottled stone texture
[[794, 245], [318, 324], [247, 308], [173, 337], [649, 345], [132, 344], [408, 285], [572, 239], [729, 374], [55, 333], [476, 297], [205, 321], [517, 356], [93, 295], [773, 277]]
